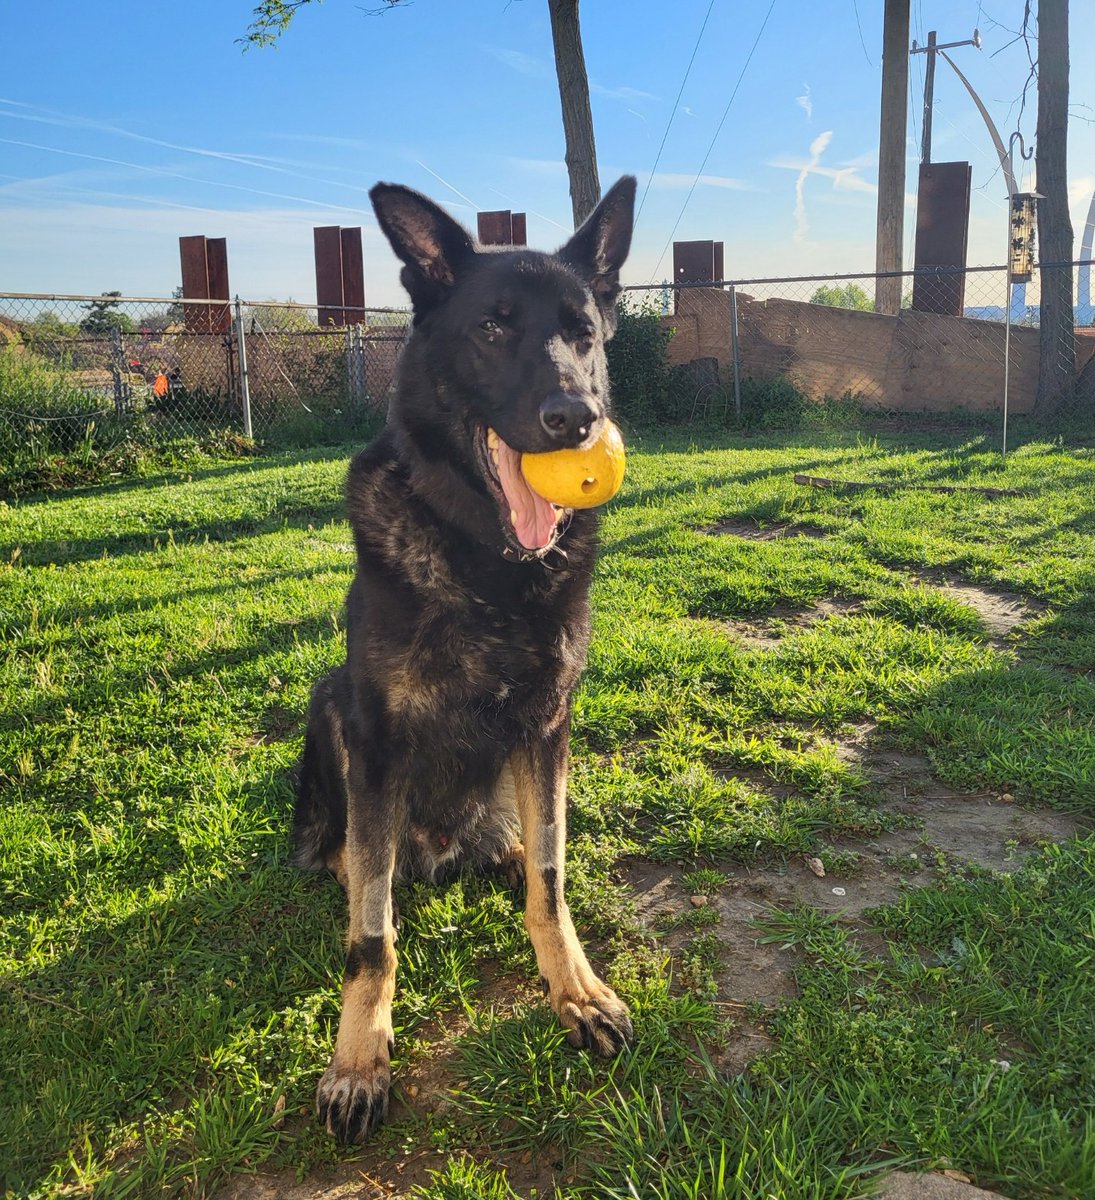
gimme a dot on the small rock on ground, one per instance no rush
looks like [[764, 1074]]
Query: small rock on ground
[[904, 1185]]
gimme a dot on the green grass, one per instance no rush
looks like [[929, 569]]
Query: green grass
[[169, 986]]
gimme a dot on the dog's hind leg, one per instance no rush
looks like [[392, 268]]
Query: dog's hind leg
[[319, 822], [593, 1014], [352, 1096]]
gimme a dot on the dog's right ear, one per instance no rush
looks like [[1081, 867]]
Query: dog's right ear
[[431, 244]]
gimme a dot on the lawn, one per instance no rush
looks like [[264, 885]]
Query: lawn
[[762, 649]]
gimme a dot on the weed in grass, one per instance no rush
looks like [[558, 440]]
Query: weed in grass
[[843, 864], [699, 961], [462, 1178], [704, 881]]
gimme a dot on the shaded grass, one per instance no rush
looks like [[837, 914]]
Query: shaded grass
[[166, 978]]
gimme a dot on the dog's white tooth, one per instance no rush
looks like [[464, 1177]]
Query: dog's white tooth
[[493, 441], [513, 515], [494, 457]]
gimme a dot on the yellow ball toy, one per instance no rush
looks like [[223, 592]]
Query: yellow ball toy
[[579, 478]]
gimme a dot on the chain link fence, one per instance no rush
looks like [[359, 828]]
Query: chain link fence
[[959, 342], [77, 370], [73, 368]]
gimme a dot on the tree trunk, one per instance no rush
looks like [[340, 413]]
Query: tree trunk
[[570, 67], [1057, 350]]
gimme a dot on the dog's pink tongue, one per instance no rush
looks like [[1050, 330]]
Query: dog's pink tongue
[[533, 517]]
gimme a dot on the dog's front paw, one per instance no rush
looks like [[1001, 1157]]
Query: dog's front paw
[[597, 1022], [352, 1102]]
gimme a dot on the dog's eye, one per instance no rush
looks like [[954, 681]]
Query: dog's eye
[[491, 328]]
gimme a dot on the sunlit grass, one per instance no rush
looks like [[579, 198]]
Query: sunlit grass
[[169, 985]]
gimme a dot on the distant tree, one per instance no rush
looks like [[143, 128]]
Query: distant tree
[[160, 322], [47, 329], [103, 316], [851, 295], [271, 18]]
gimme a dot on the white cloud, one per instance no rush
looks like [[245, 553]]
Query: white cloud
[[845, 178], [517, 60], [817, 149], [620, 93], [805, 103]]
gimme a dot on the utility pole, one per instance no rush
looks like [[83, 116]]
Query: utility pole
[[931, 50], [891, 156]]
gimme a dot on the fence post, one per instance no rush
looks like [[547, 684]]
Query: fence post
[[351, 366], [1007, 358], [359, 333], [735, 350], [245, 387], [355, 364], [117, 365]]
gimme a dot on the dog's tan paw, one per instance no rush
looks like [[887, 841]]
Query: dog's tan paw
[[598, 1022], [351, 1102]]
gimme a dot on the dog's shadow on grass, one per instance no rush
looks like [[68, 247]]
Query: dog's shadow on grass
[[117, 680], [163, 1010]]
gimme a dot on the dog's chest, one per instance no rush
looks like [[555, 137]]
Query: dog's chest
[[469, 659]]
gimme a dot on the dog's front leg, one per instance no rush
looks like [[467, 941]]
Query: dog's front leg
[[352, 1096], [593, 1014]]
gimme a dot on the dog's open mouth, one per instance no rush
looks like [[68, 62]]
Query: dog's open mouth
[[533, 520]]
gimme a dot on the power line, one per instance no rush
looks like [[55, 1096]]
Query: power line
[[676, 102], [718, 130], [859, 26]]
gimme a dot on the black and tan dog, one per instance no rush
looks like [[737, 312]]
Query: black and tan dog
[[443, 738]]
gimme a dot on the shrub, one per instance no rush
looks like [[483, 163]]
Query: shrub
[[637, 366], [776, 403]]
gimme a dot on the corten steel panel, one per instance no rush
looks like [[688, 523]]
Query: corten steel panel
[[719, 265], [942, 233], [216, 265], [329, 294], [697, 262], [353, 276], [496, 228], [195, 282], [518, 232]]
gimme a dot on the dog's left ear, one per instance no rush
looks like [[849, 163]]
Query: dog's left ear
[[598, 250], [431, 244]]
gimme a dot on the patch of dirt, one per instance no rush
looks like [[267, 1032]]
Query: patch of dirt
[[759, 633], [763, 533], [1002, 612], [379, 1177], [943, 826]]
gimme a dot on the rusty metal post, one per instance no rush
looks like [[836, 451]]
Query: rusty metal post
[[501, 227]]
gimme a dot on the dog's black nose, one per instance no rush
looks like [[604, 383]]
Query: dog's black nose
[[566, 418]]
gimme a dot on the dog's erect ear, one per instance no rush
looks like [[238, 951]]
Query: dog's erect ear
[[433, 246], [598, 250]]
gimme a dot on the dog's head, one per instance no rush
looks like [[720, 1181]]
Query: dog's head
[[507, 356]]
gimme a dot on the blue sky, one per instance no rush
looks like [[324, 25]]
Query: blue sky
[[125, 126]]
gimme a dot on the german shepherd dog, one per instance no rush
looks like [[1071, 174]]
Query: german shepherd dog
[[444, 737]]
